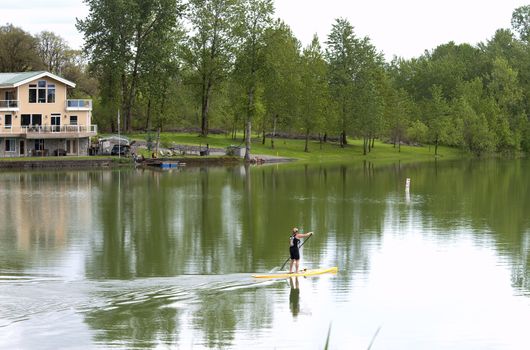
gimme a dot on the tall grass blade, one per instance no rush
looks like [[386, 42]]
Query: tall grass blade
[[373, 338], [327, 338]]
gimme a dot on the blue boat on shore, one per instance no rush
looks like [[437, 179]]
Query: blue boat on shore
[[169, 165]]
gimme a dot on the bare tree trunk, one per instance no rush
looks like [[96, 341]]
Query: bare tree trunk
[[162, 106], [273, 130], [205, 106], [248, 129], [244, 131], [148, 120], [157, 141], [263, 127], [306, 140], [123, 95], [247, 140], [364, 145], [134, 79]]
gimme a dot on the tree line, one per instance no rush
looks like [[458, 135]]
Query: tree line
[[230, 66]]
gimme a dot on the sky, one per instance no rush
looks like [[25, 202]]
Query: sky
[[404, 28]]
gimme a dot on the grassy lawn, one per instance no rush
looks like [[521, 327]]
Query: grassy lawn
[[330, 152]]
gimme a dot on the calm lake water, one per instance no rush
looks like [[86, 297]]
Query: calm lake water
[[147, 259]]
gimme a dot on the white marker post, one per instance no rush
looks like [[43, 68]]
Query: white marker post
[[407, 190]]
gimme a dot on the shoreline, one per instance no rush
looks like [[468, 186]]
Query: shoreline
[[113, 162], [59, 164]]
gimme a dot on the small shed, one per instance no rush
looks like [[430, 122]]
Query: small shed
[[105, 144], [235, 151]]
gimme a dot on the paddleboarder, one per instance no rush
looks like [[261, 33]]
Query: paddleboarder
[[294, 250]]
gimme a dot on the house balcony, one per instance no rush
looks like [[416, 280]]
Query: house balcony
[[49, 131], [78, 105], [9, 106]]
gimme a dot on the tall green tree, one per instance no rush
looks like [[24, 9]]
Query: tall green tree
[[18, 50], [280, 78], [438, 118], [368, 101], [53, 50], [161, 83], [353, 63], [521, 21], [314, 92], [398, 114], [477, 136], [117, 35], [343, 69], [107, 32], [210, 48], [504, 87], [255, 16]]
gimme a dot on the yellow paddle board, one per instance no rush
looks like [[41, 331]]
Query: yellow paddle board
[[300, 273]]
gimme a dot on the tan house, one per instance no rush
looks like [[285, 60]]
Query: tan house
[[37, 118]]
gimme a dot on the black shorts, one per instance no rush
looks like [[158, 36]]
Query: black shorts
[[295, 253]]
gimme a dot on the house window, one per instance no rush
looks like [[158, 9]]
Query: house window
[[73, 120], [32, 93], [36, 119], [42, 91], [39, 145], [31, 119], [8, 120], [51, 93], [10, 145], [25, 119]]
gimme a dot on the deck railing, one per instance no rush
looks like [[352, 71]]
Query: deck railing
[[7, 105], [43, 129], [72, 105]]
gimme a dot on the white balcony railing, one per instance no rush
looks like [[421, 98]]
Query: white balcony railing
[[50, 129], [78, 105], [8, 105]]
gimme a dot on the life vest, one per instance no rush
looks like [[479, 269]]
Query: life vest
[[293, 241]]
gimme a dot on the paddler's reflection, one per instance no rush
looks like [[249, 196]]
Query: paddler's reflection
[[294, 296]]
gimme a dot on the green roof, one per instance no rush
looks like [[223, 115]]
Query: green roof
[[17, 79], [9, 79]]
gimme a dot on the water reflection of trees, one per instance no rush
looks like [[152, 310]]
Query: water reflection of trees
[[225, 220], [488, 197], [138, 325], [221, 314]]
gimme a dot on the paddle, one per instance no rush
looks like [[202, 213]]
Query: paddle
[[289, 258]]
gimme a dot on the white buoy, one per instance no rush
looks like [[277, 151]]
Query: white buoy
[[407, 190]]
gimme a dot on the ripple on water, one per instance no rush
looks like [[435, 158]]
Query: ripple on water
[[34, 295]]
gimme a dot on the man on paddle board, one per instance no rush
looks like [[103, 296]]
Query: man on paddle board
[[294, 250]]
